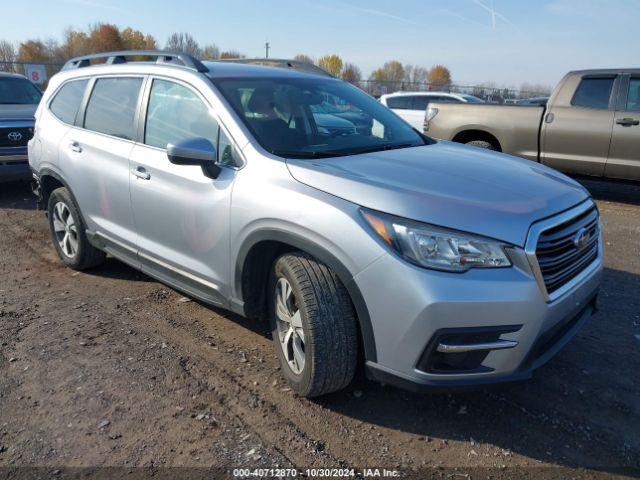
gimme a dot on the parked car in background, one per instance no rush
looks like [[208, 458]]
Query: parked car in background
[[532, 101], [18, 102], [411, 106], [436, 264], [589, 126]]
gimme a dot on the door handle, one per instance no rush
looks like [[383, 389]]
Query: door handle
[[627, 122], [75, 146], [141, 173]]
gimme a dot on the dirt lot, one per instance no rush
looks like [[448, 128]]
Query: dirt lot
[[111, 369]]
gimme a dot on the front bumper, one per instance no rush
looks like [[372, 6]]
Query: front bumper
[[418, 305], [14, 164]]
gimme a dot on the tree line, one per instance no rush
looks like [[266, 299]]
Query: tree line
[[103, 37]]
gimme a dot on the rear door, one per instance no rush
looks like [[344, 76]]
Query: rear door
[[577, 133], [624, 155], [94, 156]]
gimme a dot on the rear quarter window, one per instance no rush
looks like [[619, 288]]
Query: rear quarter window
[[112, 106], [593, 93], [66, 102]]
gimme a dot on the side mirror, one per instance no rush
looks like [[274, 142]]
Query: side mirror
[[195, 151]]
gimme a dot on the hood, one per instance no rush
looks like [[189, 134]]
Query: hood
[[449, 185], [17, 112]]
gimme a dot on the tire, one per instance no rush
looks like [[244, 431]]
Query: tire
[[482, 144], [321, 305], [68, 232]]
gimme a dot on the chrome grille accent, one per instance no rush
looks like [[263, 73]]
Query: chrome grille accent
[[25, 135], [559, 253]]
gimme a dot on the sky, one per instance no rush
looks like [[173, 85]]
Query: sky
[[508, 42]]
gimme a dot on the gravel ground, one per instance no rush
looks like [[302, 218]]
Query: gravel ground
[[108, 373]]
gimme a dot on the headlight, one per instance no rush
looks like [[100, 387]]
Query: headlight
[[437, 248]]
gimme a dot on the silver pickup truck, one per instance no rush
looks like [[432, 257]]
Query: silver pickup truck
[[589, 126]]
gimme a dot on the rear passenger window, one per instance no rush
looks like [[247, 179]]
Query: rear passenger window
[[176, 113], [593, 93], [67, 101], [400, 103], [421, 103], [112, 107], [633, 98]]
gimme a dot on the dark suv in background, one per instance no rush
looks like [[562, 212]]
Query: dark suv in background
[[19, 99]]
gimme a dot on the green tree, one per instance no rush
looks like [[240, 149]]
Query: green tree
[[331, 64]]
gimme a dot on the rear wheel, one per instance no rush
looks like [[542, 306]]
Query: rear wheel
[[482, 144], [313, 325], [68, 232]]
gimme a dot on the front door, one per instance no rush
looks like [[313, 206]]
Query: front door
[[624, 155], [576, 135], [181, 215]]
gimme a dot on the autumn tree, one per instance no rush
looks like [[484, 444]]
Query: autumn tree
[[331, 64], [227, 54], [183, 42], [210, 52], [136, 40], [7, 56], [301, 57], [104, 37], [351, 73], [74, 44], [439, 76], [33, 51]]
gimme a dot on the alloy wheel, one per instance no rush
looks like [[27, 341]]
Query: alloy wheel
[[291, 333], [65, 229]]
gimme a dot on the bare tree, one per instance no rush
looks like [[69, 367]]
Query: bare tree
[[301, 57], [7, 54], [183, 42], [211, 52], [415, 75], [232, 54]]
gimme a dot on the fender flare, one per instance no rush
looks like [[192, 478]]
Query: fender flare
[[324, 256], [46, 171]]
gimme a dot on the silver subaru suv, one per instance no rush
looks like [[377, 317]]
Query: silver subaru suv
[[283, 194]]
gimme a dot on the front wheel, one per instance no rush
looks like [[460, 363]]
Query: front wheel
[[313, 325]]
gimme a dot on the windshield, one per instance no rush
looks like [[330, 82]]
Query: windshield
[[315, 117], [18, 91]]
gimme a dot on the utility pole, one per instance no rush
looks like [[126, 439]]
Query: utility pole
[[266, 49]]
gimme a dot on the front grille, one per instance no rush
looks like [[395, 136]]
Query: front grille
[[15, 136], [561, 256]]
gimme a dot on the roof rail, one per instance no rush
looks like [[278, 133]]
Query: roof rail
[[280, 63], [162, 56]]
